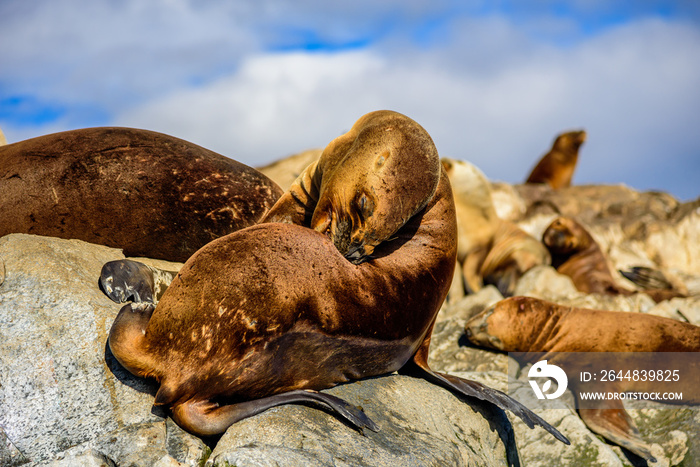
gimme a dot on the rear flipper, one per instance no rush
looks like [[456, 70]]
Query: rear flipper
[[505, 279], [482, 392], [654, 283], [126, 280], [614, 424], [647, 278], [205, 418]]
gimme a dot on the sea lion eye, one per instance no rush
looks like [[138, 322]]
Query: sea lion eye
[[365, 206]]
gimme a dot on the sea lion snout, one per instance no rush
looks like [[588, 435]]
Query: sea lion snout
[[358, 253], [477, 330], [560, 236], [554, 238]]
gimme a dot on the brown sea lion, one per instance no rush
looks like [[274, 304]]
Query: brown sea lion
[[343, 281], [490, 250], [525, 324], [556, 168], [576, 254], [147, 193]]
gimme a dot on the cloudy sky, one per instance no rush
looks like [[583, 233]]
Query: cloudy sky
[[493, 82]]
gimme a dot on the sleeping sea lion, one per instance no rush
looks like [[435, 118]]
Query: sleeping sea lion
[[490, 250], [576, 254], [343, 280], [556, 168], [525, 324], [147, 193]]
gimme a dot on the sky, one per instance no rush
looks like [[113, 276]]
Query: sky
[[493, 82]]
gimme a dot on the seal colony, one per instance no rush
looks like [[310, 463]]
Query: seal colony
[[525, 324], [147, 193], [342, 280], [490, 250]]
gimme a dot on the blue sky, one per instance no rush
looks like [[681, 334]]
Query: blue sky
[[493, 82]]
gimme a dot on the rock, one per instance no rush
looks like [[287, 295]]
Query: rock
[[546, 283], [508, 203], [60, 388], [158, 443], [420, 424], [88, 458], [286, 170], [10, 456]]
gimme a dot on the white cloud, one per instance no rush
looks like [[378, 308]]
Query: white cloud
[[486, 88], [634, 89]]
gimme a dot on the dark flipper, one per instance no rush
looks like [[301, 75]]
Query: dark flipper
[[126, 280], [482, 392], [505, 279], [418, 367], [206, 418], [647, 278], [614, 424]]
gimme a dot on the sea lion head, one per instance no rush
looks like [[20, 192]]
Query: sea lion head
[[375, 178], [566, 236], [511, 325], [570, 142]]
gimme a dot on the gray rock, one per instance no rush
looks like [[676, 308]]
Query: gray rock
[[420, 424], [9, 454], [59, 385]]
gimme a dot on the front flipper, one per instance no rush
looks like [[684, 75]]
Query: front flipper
[[206, 418], [482, 392], [418, 367], [126, 280], [647, 278], [614, 424]]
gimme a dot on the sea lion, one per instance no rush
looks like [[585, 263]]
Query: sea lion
[[525, 324], [556, 168], [3, 140], [576, 254], [145, 284], [343, 280], [147, 193], [490, 250]]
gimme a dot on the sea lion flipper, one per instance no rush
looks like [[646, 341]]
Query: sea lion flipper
[[296, 206], [471, 270], [207, 418], [126, 280], [614, 424], [480, 391], [505, 279]]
